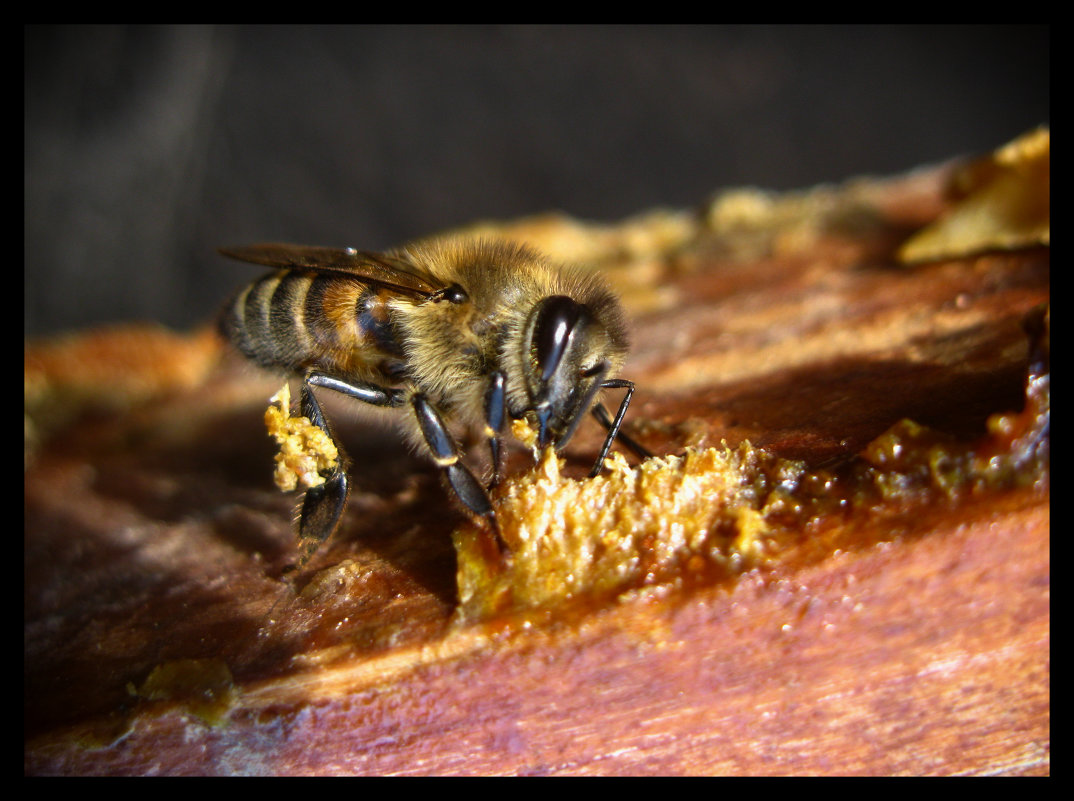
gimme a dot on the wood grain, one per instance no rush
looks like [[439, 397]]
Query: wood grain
[[910, 637]]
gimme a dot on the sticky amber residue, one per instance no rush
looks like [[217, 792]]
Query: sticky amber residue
[[203, 687], [711, 514], [909, 460]]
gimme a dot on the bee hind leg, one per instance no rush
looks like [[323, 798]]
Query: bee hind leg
[[322, 509], [323, 505]]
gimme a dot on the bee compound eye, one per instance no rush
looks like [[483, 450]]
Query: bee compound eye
[[557, 318]]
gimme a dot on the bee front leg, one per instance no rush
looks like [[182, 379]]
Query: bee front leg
[[462, 480], [495, 415], [612, 426]]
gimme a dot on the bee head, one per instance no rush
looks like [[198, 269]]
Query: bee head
[[572, 348]]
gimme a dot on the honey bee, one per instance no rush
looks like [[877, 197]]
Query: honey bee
[[458, 332]]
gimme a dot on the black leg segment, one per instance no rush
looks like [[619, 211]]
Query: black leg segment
[[322, 508], [613, 425], [367, 393], [495, 416], [632, 444], [323, 505], [442, 447]]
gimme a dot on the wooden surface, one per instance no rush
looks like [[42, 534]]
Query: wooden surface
[[165, 633]]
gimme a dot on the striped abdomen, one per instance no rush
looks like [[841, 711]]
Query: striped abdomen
[[298, 320]]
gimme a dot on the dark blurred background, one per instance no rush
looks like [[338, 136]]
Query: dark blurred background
[[146, 148]]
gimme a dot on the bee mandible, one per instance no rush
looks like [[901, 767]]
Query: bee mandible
[[457, 331]]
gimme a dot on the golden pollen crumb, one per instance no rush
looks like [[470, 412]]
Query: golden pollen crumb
[[305, 451], [623, 530], [524, 433]]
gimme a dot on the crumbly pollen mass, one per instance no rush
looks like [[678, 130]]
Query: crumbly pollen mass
[[305, 451], [626, 529]]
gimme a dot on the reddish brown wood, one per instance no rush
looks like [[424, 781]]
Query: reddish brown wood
[[154, 537]]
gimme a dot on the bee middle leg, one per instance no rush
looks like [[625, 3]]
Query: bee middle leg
[[442, 447]]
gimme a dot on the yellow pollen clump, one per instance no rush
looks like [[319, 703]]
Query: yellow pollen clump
[[305, 451]]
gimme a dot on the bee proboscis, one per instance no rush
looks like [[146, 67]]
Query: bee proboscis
[[457, 331]]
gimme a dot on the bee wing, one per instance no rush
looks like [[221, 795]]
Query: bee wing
[[377, 268]]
